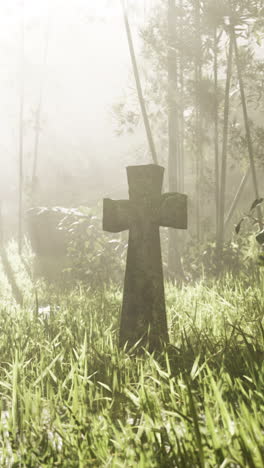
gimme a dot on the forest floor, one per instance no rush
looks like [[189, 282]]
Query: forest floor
[[70, 398]]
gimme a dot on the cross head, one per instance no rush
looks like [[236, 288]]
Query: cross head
[[143, 316]]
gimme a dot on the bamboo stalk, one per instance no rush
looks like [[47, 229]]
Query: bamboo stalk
[[247, 125], [38, 117], [216, 131], [21, 139], [181, 123], [138, 85], [173, 131], [220, 239], [174, 144], [237, 197], [9, 272], [173, 127], [198, 124]]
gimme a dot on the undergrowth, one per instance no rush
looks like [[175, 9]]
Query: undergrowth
[[70, 398]]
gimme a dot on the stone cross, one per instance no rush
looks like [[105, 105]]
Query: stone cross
[[143, 314]]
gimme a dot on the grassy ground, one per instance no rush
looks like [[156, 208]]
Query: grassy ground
[[70, 398]]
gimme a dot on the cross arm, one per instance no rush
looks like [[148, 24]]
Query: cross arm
[[115, 215], [173, 210]]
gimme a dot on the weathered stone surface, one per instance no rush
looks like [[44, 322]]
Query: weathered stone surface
[[45, 236], [143, 312], [49, 243]]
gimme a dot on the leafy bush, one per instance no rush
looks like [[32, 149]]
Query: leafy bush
[[260, 239], [70, 247], [237, 257], [240, 255], [85, 253], [95, 257], [254, 220]]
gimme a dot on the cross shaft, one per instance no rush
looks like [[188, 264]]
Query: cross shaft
[[143, 314]]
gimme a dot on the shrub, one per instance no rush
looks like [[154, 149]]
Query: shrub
[[95, 257], [70, 246]]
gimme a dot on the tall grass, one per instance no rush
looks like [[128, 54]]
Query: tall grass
[[70, 398]]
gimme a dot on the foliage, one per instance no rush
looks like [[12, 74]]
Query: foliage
[[251, 216], [95, 258], [238, 257], [260, 239], [70, 398], [192, 94], [155, 50]]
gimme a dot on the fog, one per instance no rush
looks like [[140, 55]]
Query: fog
[[132, 324], [72, 56], [69, 61]]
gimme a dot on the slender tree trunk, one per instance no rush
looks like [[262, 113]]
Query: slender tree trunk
[[139, 87], [247, 125], [198, 124], [181, 118], [174, 260], [21, 138], [237, 197], [250, 148], [10, 276], [220, 238], [38, 119], [216, 131], [173, 127]]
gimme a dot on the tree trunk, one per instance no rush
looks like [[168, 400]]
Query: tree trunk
[[38, 119], [251, 169], [181, 117], [237, 197], [220, 238], [139, 87], [247, 125], [216, 131], [198, 122], [174, 260], [21, 139]]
